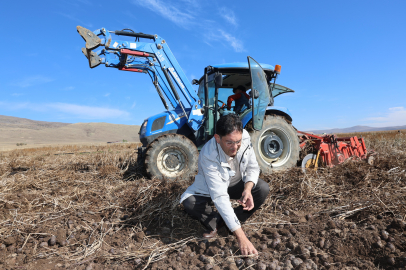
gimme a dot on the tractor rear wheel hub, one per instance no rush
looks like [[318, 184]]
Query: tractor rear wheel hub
[[272, 146]]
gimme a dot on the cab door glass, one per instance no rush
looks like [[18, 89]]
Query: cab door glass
[[211, 107], [259, 93]]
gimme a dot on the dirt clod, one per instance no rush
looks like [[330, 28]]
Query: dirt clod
[[391, 246], [378, 244], [261, 266], [391, 261], [276, 242], [302, 252], [296, 262], [384, 235], [52, 240], [249, 262], [139, 236], [331, 224], [239, 262]]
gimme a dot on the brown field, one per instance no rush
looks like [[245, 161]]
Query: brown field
[[91, 207], [21, 133]]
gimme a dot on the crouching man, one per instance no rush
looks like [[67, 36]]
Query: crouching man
[[227, 169]]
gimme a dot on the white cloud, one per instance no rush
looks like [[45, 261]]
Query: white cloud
[[396, 109], [32, 80], [17, 94], [228, 15], [107, 94], [79, 111], [395, 116], [73, 18], [87, 111], [168, 11], [68, 88], [233, 41], [184, 14], [225, 38], [193, 3], [134, 104]]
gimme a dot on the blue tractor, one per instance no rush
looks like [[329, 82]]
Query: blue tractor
[[171, 140]]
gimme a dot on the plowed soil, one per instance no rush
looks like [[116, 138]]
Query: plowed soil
[[92, 208]]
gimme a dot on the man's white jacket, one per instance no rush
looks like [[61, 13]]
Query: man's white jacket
[[213, 176]]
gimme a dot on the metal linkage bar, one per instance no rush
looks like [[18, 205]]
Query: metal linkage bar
[[154, 58], [130, 34]]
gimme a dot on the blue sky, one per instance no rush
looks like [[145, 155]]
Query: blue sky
[[346, 60]]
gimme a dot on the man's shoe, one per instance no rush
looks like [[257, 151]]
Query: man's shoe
[[210, 234]]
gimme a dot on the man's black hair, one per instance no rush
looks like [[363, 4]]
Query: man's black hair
[[241, 87], [227, 124]]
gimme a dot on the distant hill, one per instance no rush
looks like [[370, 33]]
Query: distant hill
[[17, 122], [356, 129], [15, 130]]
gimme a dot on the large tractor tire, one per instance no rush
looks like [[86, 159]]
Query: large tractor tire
[[171, 157], [276, 146]]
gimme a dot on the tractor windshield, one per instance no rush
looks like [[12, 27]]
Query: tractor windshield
[[260, 93]]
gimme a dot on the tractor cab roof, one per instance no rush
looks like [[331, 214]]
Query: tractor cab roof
[[241, 65], [235, 74]]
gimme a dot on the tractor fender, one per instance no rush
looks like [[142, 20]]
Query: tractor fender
[[282, 111], [270, 110]]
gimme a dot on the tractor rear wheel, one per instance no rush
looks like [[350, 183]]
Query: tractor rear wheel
[[171, 157], [276, 145]]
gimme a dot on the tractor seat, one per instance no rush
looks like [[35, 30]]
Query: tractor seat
[[244, 113]]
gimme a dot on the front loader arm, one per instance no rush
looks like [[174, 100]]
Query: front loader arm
[[154, 58]]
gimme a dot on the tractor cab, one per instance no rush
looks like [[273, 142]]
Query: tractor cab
[[216, 86]]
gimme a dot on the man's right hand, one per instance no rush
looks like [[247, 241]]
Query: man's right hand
[[246, 247]]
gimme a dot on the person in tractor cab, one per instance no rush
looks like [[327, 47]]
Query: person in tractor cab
[[227, 169], [240, 98]]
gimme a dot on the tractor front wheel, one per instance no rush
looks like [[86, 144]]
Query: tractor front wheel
[[171, 157], [276, 145]]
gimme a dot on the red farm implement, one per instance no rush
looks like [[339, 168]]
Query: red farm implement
[[328, 150]]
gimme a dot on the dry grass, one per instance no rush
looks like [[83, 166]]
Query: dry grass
[[100, 195]]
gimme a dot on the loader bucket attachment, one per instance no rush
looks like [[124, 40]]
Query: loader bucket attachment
[[92, 40], [94, 59]]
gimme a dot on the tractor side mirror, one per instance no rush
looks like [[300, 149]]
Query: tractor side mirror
[[195, 82], [218, 80]]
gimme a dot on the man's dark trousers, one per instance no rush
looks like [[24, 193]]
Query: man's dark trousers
[[199, 206]]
